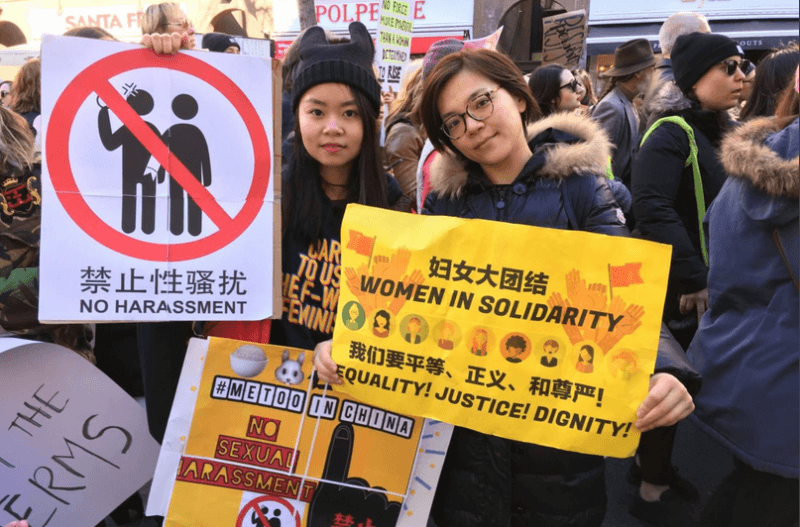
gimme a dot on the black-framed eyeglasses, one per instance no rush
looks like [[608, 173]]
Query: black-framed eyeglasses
[[479, 109], [572, 85], [731, 66]]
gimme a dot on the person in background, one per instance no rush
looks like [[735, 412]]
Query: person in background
[[633, 67], [97, 33], [746, 346], [773, 74], [404, 136], [677, 24], [221, 43], [5, 92], [588, 99], [708, 81], [167, 29], [555, 89], [20, 227], [26, 96]]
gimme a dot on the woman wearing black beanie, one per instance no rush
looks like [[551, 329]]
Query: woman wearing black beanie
[[708, 81]]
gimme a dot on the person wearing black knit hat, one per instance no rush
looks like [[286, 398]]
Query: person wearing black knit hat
[[669, 209], [348, 63], [336, 161], [221, 43]]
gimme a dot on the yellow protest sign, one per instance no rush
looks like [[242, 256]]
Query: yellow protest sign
[[254, 440], [540, 335]]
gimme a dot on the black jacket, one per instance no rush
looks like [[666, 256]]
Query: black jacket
[[663, 189], [489, 481]]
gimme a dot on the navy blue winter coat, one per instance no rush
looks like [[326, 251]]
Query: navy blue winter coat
[[747, 345], [489, 481]]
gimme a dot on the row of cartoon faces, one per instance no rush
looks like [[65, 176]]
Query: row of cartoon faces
[[480, 341]]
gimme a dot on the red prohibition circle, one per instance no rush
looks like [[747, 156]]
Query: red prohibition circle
[[63, 179], [256, 501]]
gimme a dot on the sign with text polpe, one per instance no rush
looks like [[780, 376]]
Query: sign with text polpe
[[158, 185]]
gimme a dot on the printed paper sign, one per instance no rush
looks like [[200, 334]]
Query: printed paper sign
[[158, 187], [564, 39], [540, 335], [393, 42], [255, 438], [74, 445]]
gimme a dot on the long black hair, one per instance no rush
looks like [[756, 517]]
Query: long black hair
[[545, 84], [305, 202], [774, 72]]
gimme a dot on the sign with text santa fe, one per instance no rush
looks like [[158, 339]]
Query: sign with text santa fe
[[158, 187]]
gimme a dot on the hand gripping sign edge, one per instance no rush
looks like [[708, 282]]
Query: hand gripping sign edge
[[95, 79]]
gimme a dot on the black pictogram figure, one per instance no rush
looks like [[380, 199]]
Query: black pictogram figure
[[188, 144], [134, 162], [360, 502]]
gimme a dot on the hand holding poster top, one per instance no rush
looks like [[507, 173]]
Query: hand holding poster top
[[539, 346]]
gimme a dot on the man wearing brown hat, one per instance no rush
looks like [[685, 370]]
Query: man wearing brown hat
[[634, 64]]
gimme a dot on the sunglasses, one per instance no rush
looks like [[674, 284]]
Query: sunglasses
[[4, 93], [572, 85], [732, 65]]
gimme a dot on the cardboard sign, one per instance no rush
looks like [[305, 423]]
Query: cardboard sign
[[158, 183], [73, 445], [540, 335], [393, 43], [564, 39], [255, 438]]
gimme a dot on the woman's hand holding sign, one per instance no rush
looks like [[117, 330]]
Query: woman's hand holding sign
[[323, 362]]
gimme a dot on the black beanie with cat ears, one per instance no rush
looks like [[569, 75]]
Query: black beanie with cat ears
[[349, 63]]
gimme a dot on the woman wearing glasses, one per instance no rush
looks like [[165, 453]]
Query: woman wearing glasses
[[498, 162], [555, 89], [708, 82], [166, 28]]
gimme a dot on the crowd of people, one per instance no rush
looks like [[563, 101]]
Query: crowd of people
[[697, 149]]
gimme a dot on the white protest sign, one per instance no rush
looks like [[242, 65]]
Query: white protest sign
[[564, 38], [73, 445], [393, 46], [158, 185]]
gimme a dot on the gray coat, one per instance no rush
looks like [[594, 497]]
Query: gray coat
[[617, 116]]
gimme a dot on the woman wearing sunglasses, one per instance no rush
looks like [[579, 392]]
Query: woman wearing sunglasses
[[500, 161], [555, 89], [708, 82]]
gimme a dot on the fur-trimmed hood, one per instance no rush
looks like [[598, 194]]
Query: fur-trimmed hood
[[667, 99], [745, 155], [570, 144]]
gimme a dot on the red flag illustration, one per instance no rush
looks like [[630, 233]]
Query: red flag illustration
[[360, 243], [625, 275]]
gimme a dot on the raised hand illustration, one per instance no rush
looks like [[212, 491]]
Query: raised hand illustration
[[573, 332]]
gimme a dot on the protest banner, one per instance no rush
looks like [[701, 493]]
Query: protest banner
[[540, 335], [255, 438], [393, 43], [564, 39], [158, 183], [73, 445]]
